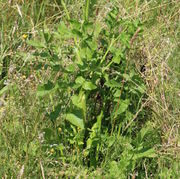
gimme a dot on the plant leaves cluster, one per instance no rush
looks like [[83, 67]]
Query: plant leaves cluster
[[95, 90]]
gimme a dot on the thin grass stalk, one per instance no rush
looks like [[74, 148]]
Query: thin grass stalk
[[65, 9], [86, 12], [75, 39]]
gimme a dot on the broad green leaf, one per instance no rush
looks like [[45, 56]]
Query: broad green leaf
[[94, 138], [42, 54], [149, 153], [87, 27], [54, 114], [36, 44], [88, 85], [76, 86], [125, 39], [92, 44], [32, 147], [83, 103], [75, 101], [73, 119], [45, 89], [123, 105], [99, 119], [88, 53], [83, 52], [77, 33], [79, 101], [117, 93], [97, 30], [63, 31], [80, 80], [113, 83], [79, 60], [75, 24], [48, 134], [71, 68], [116, 59], [147, 129]]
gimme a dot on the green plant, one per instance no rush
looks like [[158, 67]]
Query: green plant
[[99, 90]]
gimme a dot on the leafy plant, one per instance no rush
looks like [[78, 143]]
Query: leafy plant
[[96, 88]]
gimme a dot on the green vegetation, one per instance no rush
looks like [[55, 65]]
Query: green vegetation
[[89, 89]]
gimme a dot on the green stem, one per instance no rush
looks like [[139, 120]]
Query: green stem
[[86, 14], [104, 57], [40, 11], [65, 9]]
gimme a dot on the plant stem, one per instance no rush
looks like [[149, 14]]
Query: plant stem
[[86, 13], [65, 9], [104, 57]]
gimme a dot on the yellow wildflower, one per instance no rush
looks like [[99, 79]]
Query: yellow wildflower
[[24, 77], [52, 151], [59, 130], [24, 36]]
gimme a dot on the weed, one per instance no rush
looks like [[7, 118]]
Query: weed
[[89, 89]]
